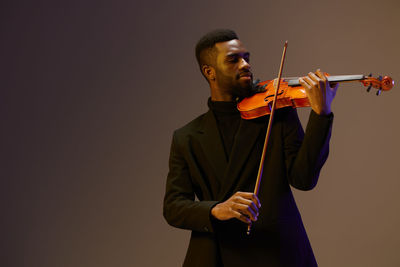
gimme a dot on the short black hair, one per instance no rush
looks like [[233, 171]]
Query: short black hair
[[205, 45]]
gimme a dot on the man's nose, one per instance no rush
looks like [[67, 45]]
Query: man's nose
[[244, 64]]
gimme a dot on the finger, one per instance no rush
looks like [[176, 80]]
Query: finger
[[303, 83], [321, 75], [314, 77], [241, 217], [248, 202], [309, 82], [250, 196], [323, 79], [246, 210], [256, 201]]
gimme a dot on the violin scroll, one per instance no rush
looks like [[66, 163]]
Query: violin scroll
[[381, 83]]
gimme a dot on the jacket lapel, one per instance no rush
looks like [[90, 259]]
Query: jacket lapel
[[212, 145], [245, 141], [228, 173]]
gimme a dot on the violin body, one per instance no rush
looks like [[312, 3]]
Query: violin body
[[260, 104]]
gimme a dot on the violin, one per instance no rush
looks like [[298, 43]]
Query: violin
[[292, 94]]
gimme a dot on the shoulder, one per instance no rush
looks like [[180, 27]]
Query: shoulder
[[192, 126]]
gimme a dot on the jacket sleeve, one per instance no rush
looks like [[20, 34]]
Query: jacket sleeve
[[305, 154], [180, 207]]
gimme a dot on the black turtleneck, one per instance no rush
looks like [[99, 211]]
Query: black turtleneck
[[228, 121]]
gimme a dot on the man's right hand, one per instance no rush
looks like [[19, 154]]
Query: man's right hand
[[242, 205]]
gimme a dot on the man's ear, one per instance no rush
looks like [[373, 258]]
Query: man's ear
[[209, 72]]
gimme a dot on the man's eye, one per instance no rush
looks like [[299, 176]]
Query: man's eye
[[233, 59]]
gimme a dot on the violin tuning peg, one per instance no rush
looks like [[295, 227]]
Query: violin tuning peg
[[369, 88], [378, 92]]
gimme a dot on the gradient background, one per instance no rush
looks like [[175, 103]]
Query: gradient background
[[91, 91]]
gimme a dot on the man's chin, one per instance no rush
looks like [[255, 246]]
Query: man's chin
[[243, 91]]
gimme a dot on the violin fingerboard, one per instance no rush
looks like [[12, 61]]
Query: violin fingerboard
[[337, 78]]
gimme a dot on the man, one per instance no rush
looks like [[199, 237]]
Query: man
[[215, 158]]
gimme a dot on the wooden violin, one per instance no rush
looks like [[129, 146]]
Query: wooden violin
[[292, 94]]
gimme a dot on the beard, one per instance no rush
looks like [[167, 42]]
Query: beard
[[242, 91], [237, 87]]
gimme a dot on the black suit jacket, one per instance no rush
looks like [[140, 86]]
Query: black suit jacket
[[198, 168]]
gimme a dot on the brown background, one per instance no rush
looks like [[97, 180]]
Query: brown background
[[90, 93]]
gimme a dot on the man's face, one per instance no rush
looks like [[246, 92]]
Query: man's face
[[232, 68]]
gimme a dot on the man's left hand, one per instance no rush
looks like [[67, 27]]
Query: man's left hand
[[319, 92]]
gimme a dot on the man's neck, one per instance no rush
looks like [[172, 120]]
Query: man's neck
[[220, 95]]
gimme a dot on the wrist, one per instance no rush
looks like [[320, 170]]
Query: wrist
[[323, 111], [214, 211]]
